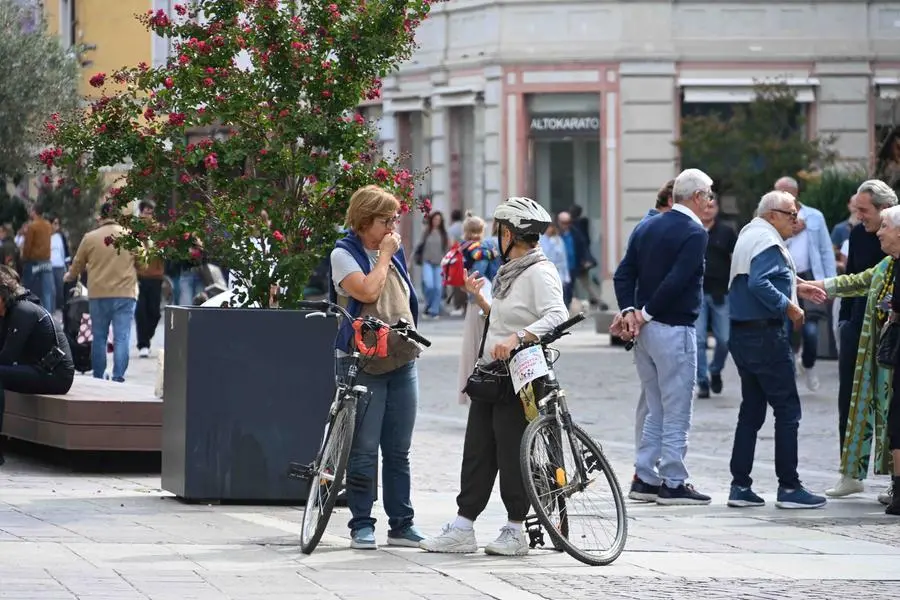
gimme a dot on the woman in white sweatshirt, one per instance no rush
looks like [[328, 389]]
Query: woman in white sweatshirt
[[526, 302]]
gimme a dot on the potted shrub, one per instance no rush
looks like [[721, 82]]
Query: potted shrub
[[249, 141]]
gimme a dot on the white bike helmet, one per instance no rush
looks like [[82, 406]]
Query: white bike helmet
[[523, 216]]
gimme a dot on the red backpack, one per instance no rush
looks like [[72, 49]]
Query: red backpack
[[453, 270]]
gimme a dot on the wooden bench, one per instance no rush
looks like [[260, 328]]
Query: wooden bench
[[95, 415]]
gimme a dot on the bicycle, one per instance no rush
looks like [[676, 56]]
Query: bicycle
[[554, 484], [327, 472]]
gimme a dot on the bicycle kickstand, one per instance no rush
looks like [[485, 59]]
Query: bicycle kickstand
[[535, 532]]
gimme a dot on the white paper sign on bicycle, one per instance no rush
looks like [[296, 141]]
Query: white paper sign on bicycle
[[526, 366]]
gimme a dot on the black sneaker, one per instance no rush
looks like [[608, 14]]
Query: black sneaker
[[683, 495], [642, 491], [703, 391], [715, 383]]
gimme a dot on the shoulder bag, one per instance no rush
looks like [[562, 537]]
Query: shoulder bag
[[489, 383], [888, 343]]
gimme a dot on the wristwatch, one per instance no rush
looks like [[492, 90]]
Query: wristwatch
[[628, 310], [521, 335]]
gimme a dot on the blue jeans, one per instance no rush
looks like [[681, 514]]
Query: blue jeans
[[433, 287], [717, 316], [809, 336], [666, 359], [189, 285], [37, 277], [118, 312], [765, 363], [385, 418]]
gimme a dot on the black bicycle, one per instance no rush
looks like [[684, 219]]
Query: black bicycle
[[564, 469], [326, 474]]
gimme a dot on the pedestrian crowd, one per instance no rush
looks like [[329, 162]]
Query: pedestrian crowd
[[762, 293]]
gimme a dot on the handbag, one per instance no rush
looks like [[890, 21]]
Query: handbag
[[489, 383], [887, 344]]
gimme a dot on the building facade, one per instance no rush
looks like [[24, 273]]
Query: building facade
[[580, 101], [109, 31]]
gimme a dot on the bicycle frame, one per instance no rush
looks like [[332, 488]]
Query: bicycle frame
[[554, 404]]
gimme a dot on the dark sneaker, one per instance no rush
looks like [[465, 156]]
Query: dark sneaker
[[798, 498], [683, 495], [703, 391], [742, 497], [408, 536], [715, 384], [642, 491]]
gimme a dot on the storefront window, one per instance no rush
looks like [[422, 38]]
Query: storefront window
[[887, 118], [462, 158], [564, 153]]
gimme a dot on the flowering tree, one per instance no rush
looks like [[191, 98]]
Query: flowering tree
[[248, 139]]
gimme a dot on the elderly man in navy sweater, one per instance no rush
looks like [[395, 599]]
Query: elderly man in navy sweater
[[762, 297], [658, 287]]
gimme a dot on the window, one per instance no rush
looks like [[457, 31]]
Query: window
[[887, 117]]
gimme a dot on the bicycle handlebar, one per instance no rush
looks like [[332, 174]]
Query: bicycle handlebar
[[554, 334], [402, 326]]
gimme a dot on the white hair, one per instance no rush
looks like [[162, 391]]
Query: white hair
[[772, 201], [891, 216], [788, 182], [689, 182], [882, 194]]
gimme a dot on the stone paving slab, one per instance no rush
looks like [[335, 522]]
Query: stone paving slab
[[87, 536]]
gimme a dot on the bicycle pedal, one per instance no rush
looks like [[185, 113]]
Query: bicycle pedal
[[301, 472], [358, 483], [535, 532]]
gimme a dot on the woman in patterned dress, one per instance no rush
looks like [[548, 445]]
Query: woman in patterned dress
[[872, 384]]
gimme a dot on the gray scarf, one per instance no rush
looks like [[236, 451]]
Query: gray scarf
[[511, 270]]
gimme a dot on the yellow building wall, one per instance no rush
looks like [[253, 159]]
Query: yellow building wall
[[111, 26]]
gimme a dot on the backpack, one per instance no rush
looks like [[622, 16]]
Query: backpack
[[453, 269]]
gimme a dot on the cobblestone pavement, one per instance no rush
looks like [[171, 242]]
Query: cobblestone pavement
[[84, 536]]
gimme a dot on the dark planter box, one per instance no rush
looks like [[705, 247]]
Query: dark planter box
[[246, 393]]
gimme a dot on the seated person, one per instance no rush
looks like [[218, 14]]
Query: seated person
[[35, 357]]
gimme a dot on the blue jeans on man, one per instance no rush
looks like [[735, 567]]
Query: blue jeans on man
[[385, 419], [37, 276], [666, 359], [715, 315], [118, 312], [765, 363]]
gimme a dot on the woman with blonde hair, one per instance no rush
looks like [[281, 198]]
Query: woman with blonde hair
[[478, 257], [369, 276]]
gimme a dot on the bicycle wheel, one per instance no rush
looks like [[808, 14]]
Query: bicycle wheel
[[327, 476], [577, 501]]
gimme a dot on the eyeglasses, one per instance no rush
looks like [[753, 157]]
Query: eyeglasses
[[791, 213], [390, 221]]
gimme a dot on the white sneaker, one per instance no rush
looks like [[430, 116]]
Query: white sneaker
[[886, 496], [452, 540], [144, 353], [812, 380], [844, 487], [510, 543]]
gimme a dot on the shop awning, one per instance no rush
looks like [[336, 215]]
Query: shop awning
[[887, 87], [729, 91]]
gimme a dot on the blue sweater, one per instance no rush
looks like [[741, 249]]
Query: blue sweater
[[765, 292], [662, 271]]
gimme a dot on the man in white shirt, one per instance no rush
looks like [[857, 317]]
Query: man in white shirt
[[813, 255]]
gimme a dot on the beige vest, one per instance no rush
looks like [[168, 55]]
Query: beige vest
[[392, 305]]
